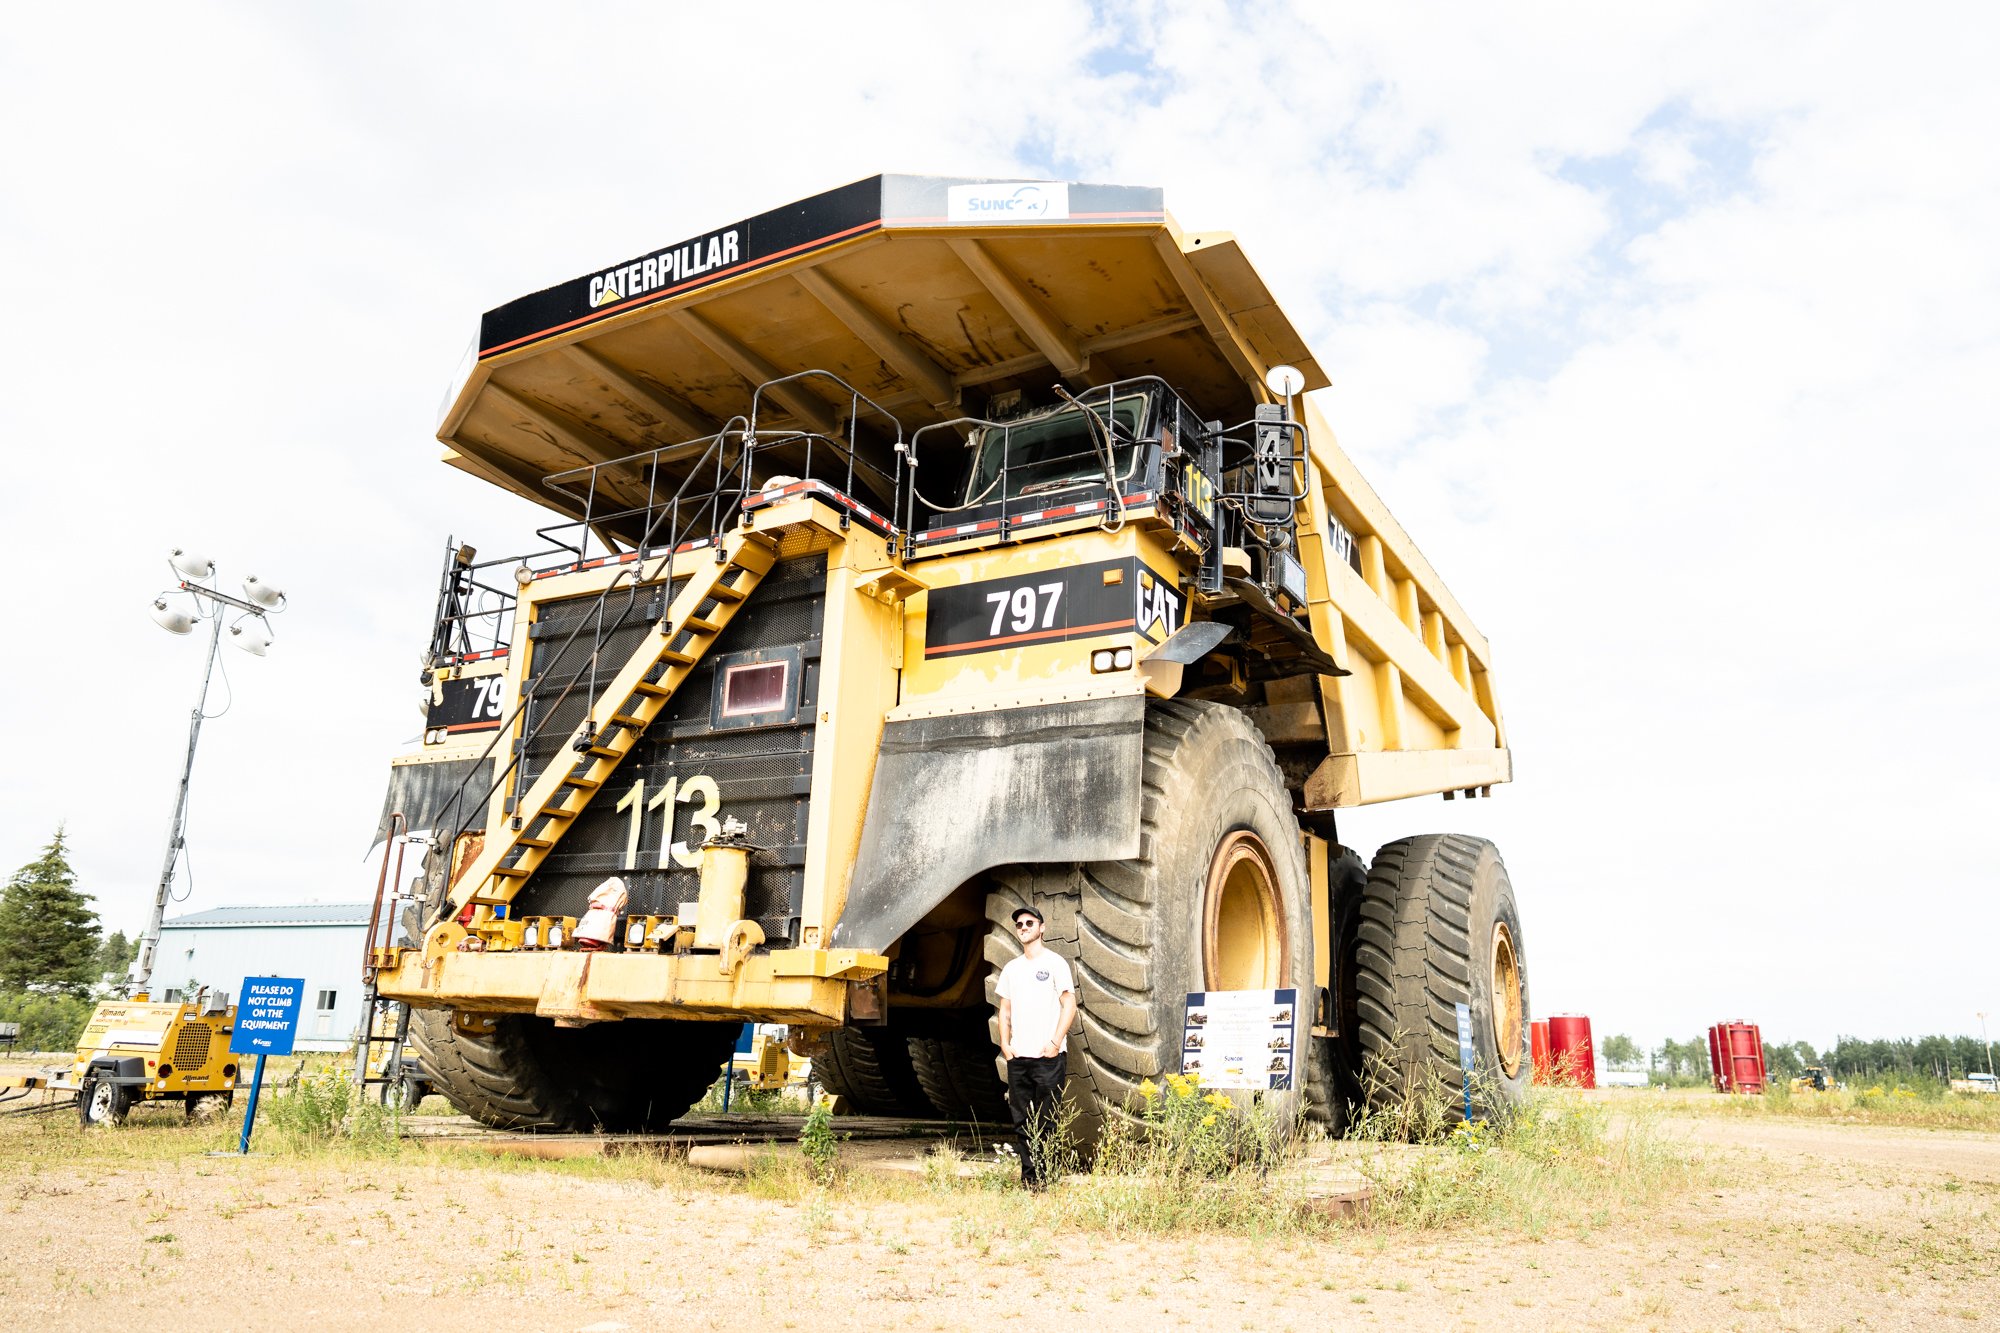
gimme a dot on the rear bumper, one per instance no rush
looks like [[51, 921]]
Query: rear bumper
[[810, 986]]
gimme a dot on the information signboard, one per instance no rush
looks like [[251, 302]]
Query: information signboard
[[1241, 1038], [267, 1016]]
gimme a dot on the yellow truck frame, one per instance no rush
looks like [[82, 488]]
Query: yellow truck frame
[[1132, 689]]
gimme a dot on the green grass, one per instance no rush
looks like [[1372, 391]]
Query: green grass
[[1190, 1166], [1916, 1105], [1560, 1161]]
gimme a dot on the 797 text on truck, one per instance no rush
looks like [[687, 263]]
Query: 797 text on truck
[[916, 558]]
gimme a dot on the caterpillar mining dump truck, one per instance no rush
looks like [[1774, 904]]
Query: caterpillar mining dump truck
[[922, 549]]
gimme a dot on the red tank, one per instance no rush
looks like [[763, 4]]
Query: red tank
[[1571, 1060], [1538, 1045], [1718, 1068], [1739, 1049]]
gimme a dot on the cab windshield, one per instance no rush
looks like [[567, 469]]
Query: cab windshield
[[1062, 451]]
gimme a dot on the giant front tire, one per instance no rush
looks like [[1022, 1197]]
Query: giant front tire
[[527, 1073], [1217, 899], [1437, 927]]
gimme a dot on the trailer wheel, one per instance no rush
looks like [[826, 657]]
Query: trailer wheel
[[958, 1072], [872, 1071], [104, 1102], [1437, 927], [1217, 899], [526, 1073]]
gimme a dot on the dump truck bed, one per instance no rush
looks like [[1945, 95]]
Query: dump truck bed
[[931, 296]]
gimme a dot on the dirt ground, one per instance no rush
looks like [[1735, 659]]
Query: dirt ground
[[1802, 1225]]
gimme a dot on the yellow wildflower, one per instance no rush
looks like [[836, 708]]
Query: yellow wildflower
[[1217, 1099], [1148, 1089], [1208, 1120]]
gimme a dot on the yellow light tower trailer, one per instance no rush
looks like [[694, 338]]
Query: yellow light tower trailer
[[926, 548]]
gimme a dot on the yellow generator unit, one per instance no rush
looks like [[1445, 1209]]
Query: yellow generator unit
[[134, 1051], [921, 550]]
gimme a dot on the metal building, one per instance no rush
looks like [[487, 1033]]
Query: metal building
[[321, 942]]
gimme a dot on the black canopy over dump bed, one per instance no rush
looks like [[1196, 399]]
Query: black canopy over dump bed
[[931, 295]]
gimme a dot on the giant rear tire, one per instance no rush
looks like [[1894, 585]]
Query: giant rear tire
[[1333, 1088], [1217, 899], [957, 1068], [526, 1073], [1437, 927], [871, 1071]]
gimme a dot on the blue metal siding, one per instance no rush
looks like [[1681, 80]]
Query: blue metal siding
[[220, 956]]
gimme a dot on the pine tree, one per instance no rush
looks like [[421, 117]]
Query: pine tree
[[48, 933], [114, 959]]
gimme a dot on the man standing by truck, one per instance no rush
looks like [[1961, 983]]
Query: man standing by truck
[[1037, 1005]]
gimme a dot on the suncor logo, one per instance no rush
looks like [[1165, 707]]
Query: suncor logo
[[1023, 201]]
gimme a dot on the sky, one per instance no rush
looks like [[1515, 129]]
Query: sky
[[1669, 333]]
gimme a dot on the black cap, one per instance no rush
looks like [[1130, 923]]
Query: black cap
[[1022, 911]]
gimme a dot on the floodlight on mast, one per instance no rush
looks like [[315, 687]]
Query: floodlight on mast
[[178, 611]]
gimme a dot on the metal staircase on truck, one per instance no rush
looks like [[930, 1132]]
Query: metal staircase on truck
[[618, 716]]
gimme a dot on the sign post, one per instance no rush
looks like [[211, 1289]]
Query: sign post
[[267, 1021], [1465, 1057]]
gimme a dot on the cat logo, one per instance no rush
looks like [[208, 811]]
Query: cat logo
[[668, 268], [1159, 613]]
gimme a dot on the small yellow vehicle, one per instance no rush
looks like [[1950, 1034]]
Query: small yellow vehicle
[[135, 1051]]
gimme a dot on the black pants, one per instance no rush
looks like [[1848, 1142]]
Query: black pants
[[1034, 1090]]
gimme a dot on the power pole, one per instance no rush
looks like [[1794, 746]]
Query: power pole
[[178, 611]]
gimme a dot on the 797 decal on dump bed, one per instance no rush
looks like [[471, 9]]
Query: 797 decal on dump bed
[[1052, 606]]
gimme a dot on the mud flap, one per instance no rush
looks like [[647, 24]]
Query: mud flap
[[429, 795], [956, 795]]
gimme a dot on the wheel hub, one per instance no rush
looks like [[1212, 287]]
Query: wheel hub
[[1243, 922], [1509, 1013]]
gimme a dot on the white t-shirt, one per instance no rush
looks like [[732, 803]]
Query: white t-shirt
[[1035, 987]]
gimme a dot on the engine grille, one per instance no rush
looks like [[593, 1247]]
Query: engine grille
[[191, 1047], [762, 775]]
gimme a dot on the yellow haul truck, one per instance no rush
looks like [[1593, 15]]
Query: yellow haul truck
[[926, 548]]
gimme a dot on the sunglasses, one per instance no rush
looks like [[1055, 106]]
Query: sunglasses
[[1025, 922]]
